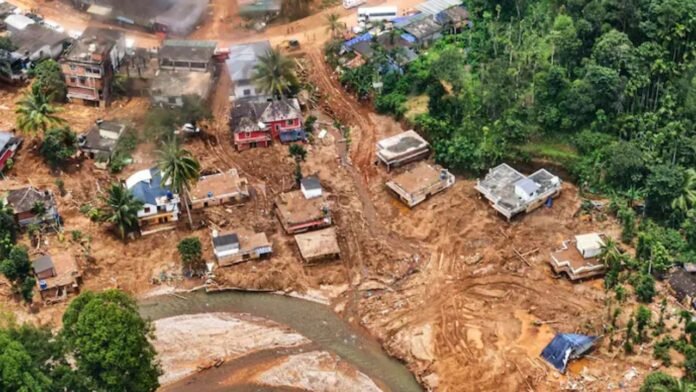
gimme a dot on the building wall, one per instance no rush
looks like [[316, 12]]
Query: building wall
[[216, 200], [168, 101], [245, 90]]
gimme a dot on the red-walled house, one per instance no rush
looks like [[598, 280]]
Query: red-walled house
[[8, 147], [248, 131], [256, 124], [284, 119]]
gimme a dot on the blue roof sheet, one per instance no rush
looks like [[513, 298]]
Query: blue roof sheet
[[148, 192], [408, 38], [355, 40], [565, 347]]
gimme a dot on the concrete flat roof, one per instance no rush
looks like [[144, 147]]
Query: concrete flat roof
[[420, 177], [318, 244], [294, 208], [217, 185], [402, 144]]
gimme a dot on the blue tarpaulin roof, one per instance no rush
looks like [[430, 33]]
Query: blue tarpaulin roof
[[566, 346], [360, 38], [408, 38]]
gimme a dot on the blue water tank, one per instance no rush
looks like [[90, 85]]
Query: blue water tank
[[43, 285], [170, 195]]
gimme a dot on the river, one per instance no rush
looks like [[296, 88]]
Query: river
[[315, 321]]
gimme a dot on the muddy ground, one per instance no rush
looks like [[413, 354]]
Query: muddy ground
[[440, 285]]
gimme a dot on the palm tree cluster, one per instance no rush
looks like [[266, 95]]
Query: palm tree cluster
[[121, 209], [35, 113], [687, 197], [334, 25], [275, 74]]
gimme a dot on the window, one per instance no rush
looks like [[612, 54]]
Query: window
[[247, 92], [290, 122], [147, 210], [172, 100], [247, 135], [73, 80], [83, 80]]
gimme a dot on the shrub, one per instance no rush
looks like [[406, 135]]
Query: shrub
[[191, 253]]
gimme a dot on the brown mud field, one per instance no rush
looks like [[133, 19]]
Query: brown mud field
[[441, 285]]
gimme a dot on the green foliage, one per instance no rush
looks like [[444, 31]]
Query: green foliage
[[161, 122], [394, 103], [359, 80], [125, 146], [60, 184], [645, 288], [17, 269], [59, 145], [630, 337], [334, 25], [661, 351], [643, 317], [309, 123], [120, 208], [180, 169], [109, 339], [661, 382], [18, 369], [297, 152], [8, 230], [49, 80], [35, 113], [6, 44], [274, 73], [628, 224], [664, 185], [191, 253]]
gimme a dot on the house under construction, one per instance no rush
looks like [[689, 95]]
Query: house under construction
[[579, 258], [401, 149], [511, 192], [417, 184], [318, 245]]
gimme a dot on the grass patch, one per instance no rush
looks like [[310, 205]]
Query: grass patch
[[553, 149], [416, 105]]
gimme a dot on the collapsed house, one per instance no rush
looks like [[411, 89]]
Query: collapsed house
[[9, 144], [318, 245], [219, 189], [178, 17], [510, 192], [240, 65], [579, 258], [186, 68], [56, 276], [401, 149], [417, 184], [567, 346], [32, 206], [298, 213], [232, 248], [160, 209], [100, 140], [89, 65], [683, 284]]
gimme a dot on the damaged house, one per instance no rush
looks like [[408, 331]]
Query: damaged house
[[417, 184], [219, 189], [178, 17], [89, 66], [300, 211], [240, 65], [232, 248], [579, 258], [9, 144], [401, 149], [35, 41], [56, 276], [511, 193], [257, 123], [32, 206], [186, 68], [318, 245], [160, 205], [99, 142]]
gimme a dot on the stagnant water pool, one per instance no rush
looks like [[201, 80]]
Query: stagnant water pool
[[315, 321]]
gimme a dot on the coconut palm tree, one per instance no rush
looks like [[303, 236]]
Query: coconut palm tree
[[274, 73], [610, 253], [180, 170], [687, 198], [121, 208], [35, 113], [334, 24]]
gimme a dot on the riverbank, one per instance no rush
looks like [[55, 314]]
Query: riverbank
[[279, 341]]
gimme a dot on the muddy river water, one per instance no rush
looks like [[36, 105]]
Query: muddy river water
[[315, 321]]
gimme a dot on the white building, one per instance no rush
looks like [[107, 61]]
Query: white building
[[241, 63], [310, 187], [160, 205], [589, 245]]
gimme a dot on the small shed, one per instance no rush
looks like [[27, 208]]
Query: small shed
[[526, 189], [43, 267], [589, 245], [311, 187], [225, 245]]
